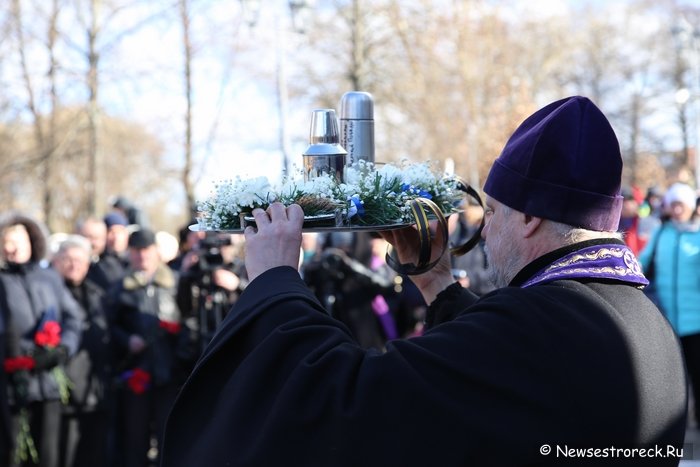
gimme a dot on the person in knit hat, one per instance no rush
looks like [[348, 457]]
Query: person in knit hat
[[567, 353], [673, 252]]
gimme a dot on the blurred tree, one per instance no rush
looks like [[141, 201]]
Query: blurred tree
[[46, 70], [626, 53], [42, 110], [451, 80], [135, 164], [187, 78]]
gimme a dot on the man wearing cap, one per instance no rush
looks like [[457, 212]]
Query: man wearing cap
[[151, 341], [567, 363], [133, 214]]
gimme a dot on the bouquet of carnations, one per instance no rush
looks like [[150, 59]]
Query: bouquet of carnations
[[137, 380], [48, 355]]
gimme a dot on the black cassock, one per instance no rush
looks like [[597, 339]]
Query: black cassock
[[567, 365]]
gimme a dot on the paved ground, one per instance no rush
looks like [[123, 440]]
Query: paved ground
[[691, 448]]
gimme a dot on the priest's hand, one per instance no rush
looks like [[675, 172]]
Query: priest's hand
[[406, 242], [276, 239]]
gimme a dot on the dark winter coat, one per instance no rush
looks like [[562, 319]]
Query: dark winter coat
[[586, 364], [107, 271], [149, 310], [90, 368], [5, 430]]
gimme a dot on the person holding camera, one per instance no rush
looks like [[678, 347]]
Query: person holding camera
[[567, 353], [343, 279], [212, 275]]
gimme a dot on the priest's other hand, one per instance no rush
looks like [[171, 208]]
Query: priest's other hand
[[276, 239]]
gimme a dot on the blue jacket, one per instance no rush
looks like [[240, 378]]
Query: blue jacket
[[677, 274]]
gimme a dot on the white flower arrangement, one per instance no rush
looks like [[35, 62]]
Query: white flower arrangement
[[369, 196]]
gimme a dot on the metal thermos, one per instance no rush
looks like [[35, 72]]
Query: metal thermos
[[357, 126], [324, 155]]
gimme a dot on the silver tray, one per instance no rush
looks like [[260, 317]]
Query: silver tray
[[330, 222], [309, 226]]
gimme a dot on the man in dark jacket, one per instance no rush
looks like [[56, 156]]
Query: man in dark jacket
[[86, 418], [42, 329], [108, 238], [152, 342], [567, 363]]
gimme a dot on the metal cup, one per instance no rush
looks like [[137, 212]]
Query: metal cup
[[324, 155]]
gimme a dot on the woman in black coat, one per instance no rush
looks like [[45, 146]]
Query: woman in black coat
[[5, 439], [42, 332]]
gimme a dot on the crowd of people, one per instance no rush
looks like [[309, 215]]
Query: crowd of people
[[94, 341], [101, 327], [130, 318]]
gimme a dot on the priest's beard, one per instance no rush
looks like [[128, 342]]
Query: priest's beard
[[502, 265]]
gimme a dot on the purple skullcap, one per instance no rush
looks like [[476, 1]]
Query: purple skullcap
[[562, 163]]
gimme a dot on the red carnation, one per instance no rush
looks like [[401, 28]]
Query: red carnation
[[22, 362], [49, 335], [138, 380], [170, 326]]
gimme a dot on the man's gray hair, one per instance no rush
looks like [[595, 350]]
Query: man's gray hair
[[568, 233], [572, 234], [75, 241]]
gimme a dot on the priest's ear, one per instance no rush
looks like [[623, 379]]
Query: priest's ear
[[529, 225]]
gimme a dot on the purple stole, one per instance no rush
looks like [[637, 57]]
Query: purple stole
[[608, 261]]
